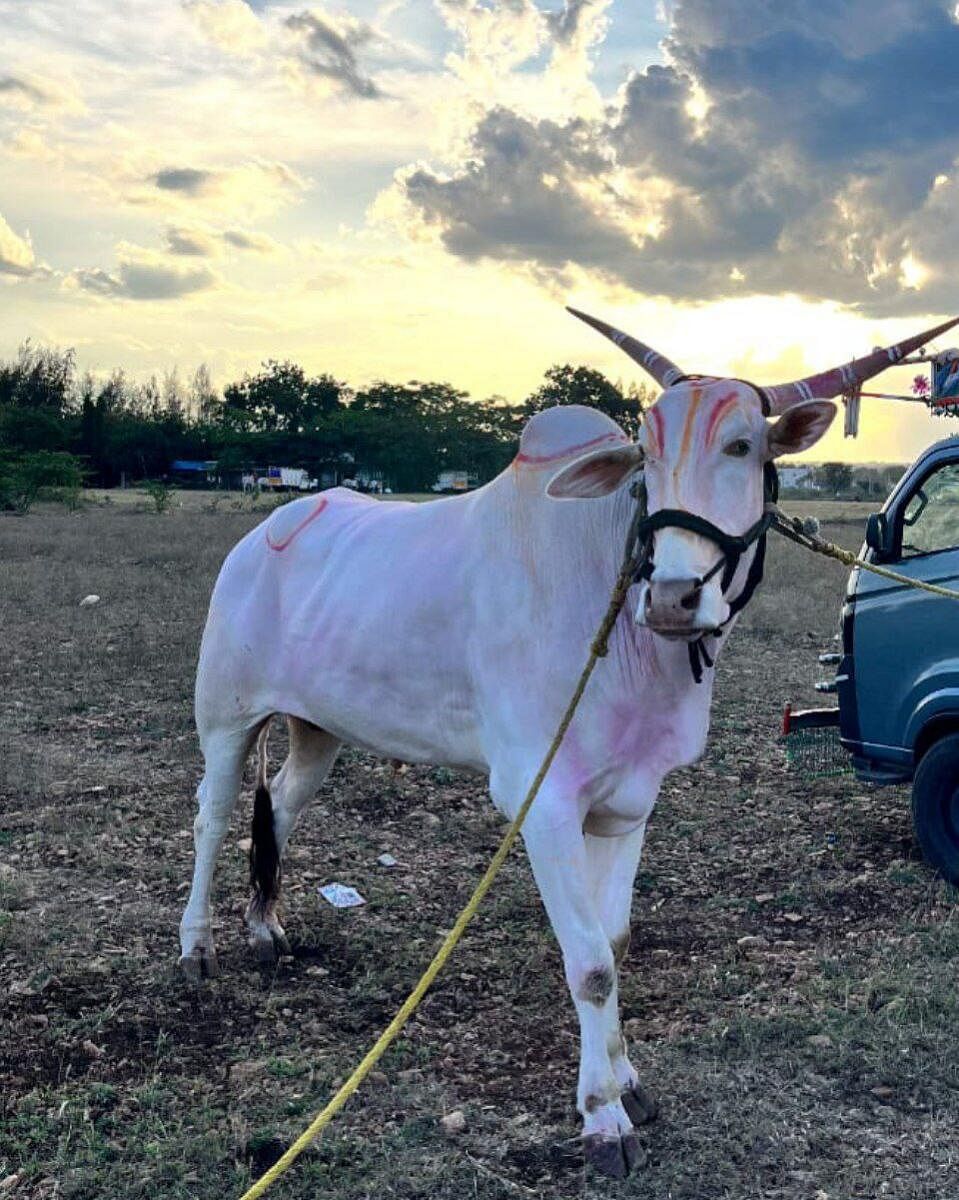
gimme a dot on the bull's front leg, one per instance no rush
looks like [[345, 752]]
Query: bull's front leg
[[557, 854], [613, 862]]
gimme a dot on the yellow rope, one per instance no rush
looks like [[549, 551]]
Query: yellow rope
[[597, 651], [791, 527]]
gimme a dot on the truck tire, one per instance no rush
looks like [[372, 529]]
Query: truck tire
[[935, 806]]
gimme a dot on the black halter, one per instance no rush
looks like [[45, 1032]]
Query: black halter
[[731, 551]]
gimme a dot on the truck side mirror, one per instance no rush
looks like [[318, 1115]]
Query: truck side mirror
[[877, 534]]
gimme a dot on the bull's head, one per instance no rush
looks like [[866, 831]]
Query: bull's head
[[703, 448]]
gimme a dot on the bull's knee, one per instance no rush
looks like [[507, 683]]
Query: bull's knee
[[596, 984]]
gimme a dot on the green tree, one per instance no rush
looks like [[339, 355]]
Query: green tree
[[40, 378], [835, 478], [566, 384], [280, 398]]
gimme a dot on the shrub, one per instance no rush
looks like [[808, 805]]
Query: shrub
[[27, 478], [160, 493]]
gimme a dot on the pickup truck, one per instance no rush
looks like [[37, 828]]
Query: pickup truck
[[897, 677]]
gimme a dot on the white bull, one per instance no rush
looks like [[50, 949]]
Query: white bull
[[453, 633]]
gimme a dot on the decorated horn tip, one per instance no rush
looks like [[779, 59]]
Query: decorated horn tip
[[662, 370], [847, 378]]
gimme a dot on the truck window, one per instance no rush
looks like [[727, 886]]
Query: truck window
[[930, 520]]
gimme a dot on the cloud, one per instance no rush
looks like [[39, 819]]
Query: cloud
[[238, 193], [192, 243], [186, 241], [327, 49], [190, 181], [29, 91], [575, 20], [16, 253], [256, 243], [143, 278], [515, 198], [771, 153], [231, 24], [21, 89], [497, 35]]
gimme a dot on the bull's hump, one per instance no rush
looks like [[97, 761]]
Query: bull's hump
[[558, 434]]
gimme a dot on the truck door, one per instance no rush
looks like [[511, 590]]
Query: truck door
[[906, 642]]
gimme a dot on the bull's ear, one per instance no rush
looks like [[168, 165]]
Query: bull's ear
[[799, 427], [595, 474]]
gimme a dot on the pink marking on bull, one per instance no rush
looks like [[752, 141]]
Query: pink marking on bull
[[539, 459], [284, 542], [723, 406], [658, 432]]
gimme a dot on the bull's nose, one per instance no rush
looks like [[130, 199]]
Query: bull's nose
[[672, 604]]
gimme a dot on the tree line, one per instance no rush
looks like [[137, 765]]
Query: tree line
[[54, 418]]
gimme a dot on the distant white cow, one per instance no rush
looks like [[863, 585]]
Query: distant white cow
[[453, 632]]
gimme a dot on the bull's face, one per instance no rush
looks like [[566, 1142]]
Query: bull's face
[[702, 448]]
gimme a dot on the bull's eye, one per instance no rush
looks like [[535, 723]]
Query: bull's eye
[[737, 449]]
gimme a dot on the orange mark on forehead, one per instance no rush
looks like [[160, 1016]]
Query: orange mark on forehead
[[688, 426], [722, 406]]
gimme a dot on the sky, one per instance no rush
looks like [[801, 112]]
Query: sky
[[414, 189]]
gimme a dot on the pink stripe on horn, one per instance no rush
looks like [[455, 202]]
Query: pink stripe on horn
[[662, 370], [832, 383]]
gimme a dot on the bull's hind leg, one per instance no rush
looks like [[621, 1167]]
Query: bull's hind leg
[[276, 808], [224, 754]]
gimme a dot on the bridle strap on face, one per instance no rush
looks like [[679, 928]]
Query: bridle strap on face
[[732, 547]]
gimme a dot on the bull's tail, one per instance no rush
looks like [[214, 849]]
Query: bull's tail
[[264, 852]]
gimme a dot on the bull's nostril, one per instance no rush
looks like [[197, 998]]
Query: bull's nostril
[[691, 599]]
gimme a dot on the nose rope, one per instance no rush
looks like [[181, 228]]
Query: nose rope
[[731, 547]]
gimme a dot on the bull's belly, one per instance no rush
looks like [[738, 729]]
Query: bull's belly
[[391, 726], [379, 704]]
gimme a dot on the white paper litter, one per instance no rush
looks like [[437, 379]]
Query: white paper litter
[[386, 860], [341, 896]]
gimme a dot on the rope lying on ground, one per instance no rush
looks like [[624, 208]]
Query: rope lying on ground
[[597, 650], [792, 528]]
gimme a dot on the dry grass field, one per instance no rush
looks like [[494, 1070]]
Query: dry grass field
[[791, 992]]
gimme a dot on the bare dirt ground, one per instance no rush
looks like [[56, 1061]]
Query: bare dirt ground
[[791, 992]]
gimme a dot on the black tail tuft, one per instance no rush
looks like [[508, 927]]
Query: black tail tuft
[[264, 855]]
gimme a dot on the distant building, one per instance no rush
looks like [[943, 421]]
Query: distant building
[[799, 478], [454, 481], [195, 472]]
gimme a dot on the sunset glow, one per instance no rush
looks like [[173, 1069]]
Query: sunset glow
[[415, 188]]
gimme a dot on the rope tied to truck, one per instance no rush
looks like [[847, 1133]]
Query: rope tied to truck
[[793, 529]]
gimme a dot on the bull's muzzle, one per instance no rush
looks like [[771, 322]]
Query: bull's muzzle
[[679, 608]]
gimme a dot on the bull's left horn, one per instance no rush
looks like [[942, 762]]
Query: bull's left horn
[[843, 379], [662, 370]]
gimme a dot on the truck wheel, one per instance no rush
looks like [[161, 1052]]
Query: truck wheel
[[935, 806]]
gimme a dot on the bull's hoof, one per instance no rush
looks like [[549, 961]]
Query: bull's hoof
[[613, 1156], [199, 964], [269, 949], [640, 1104]]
